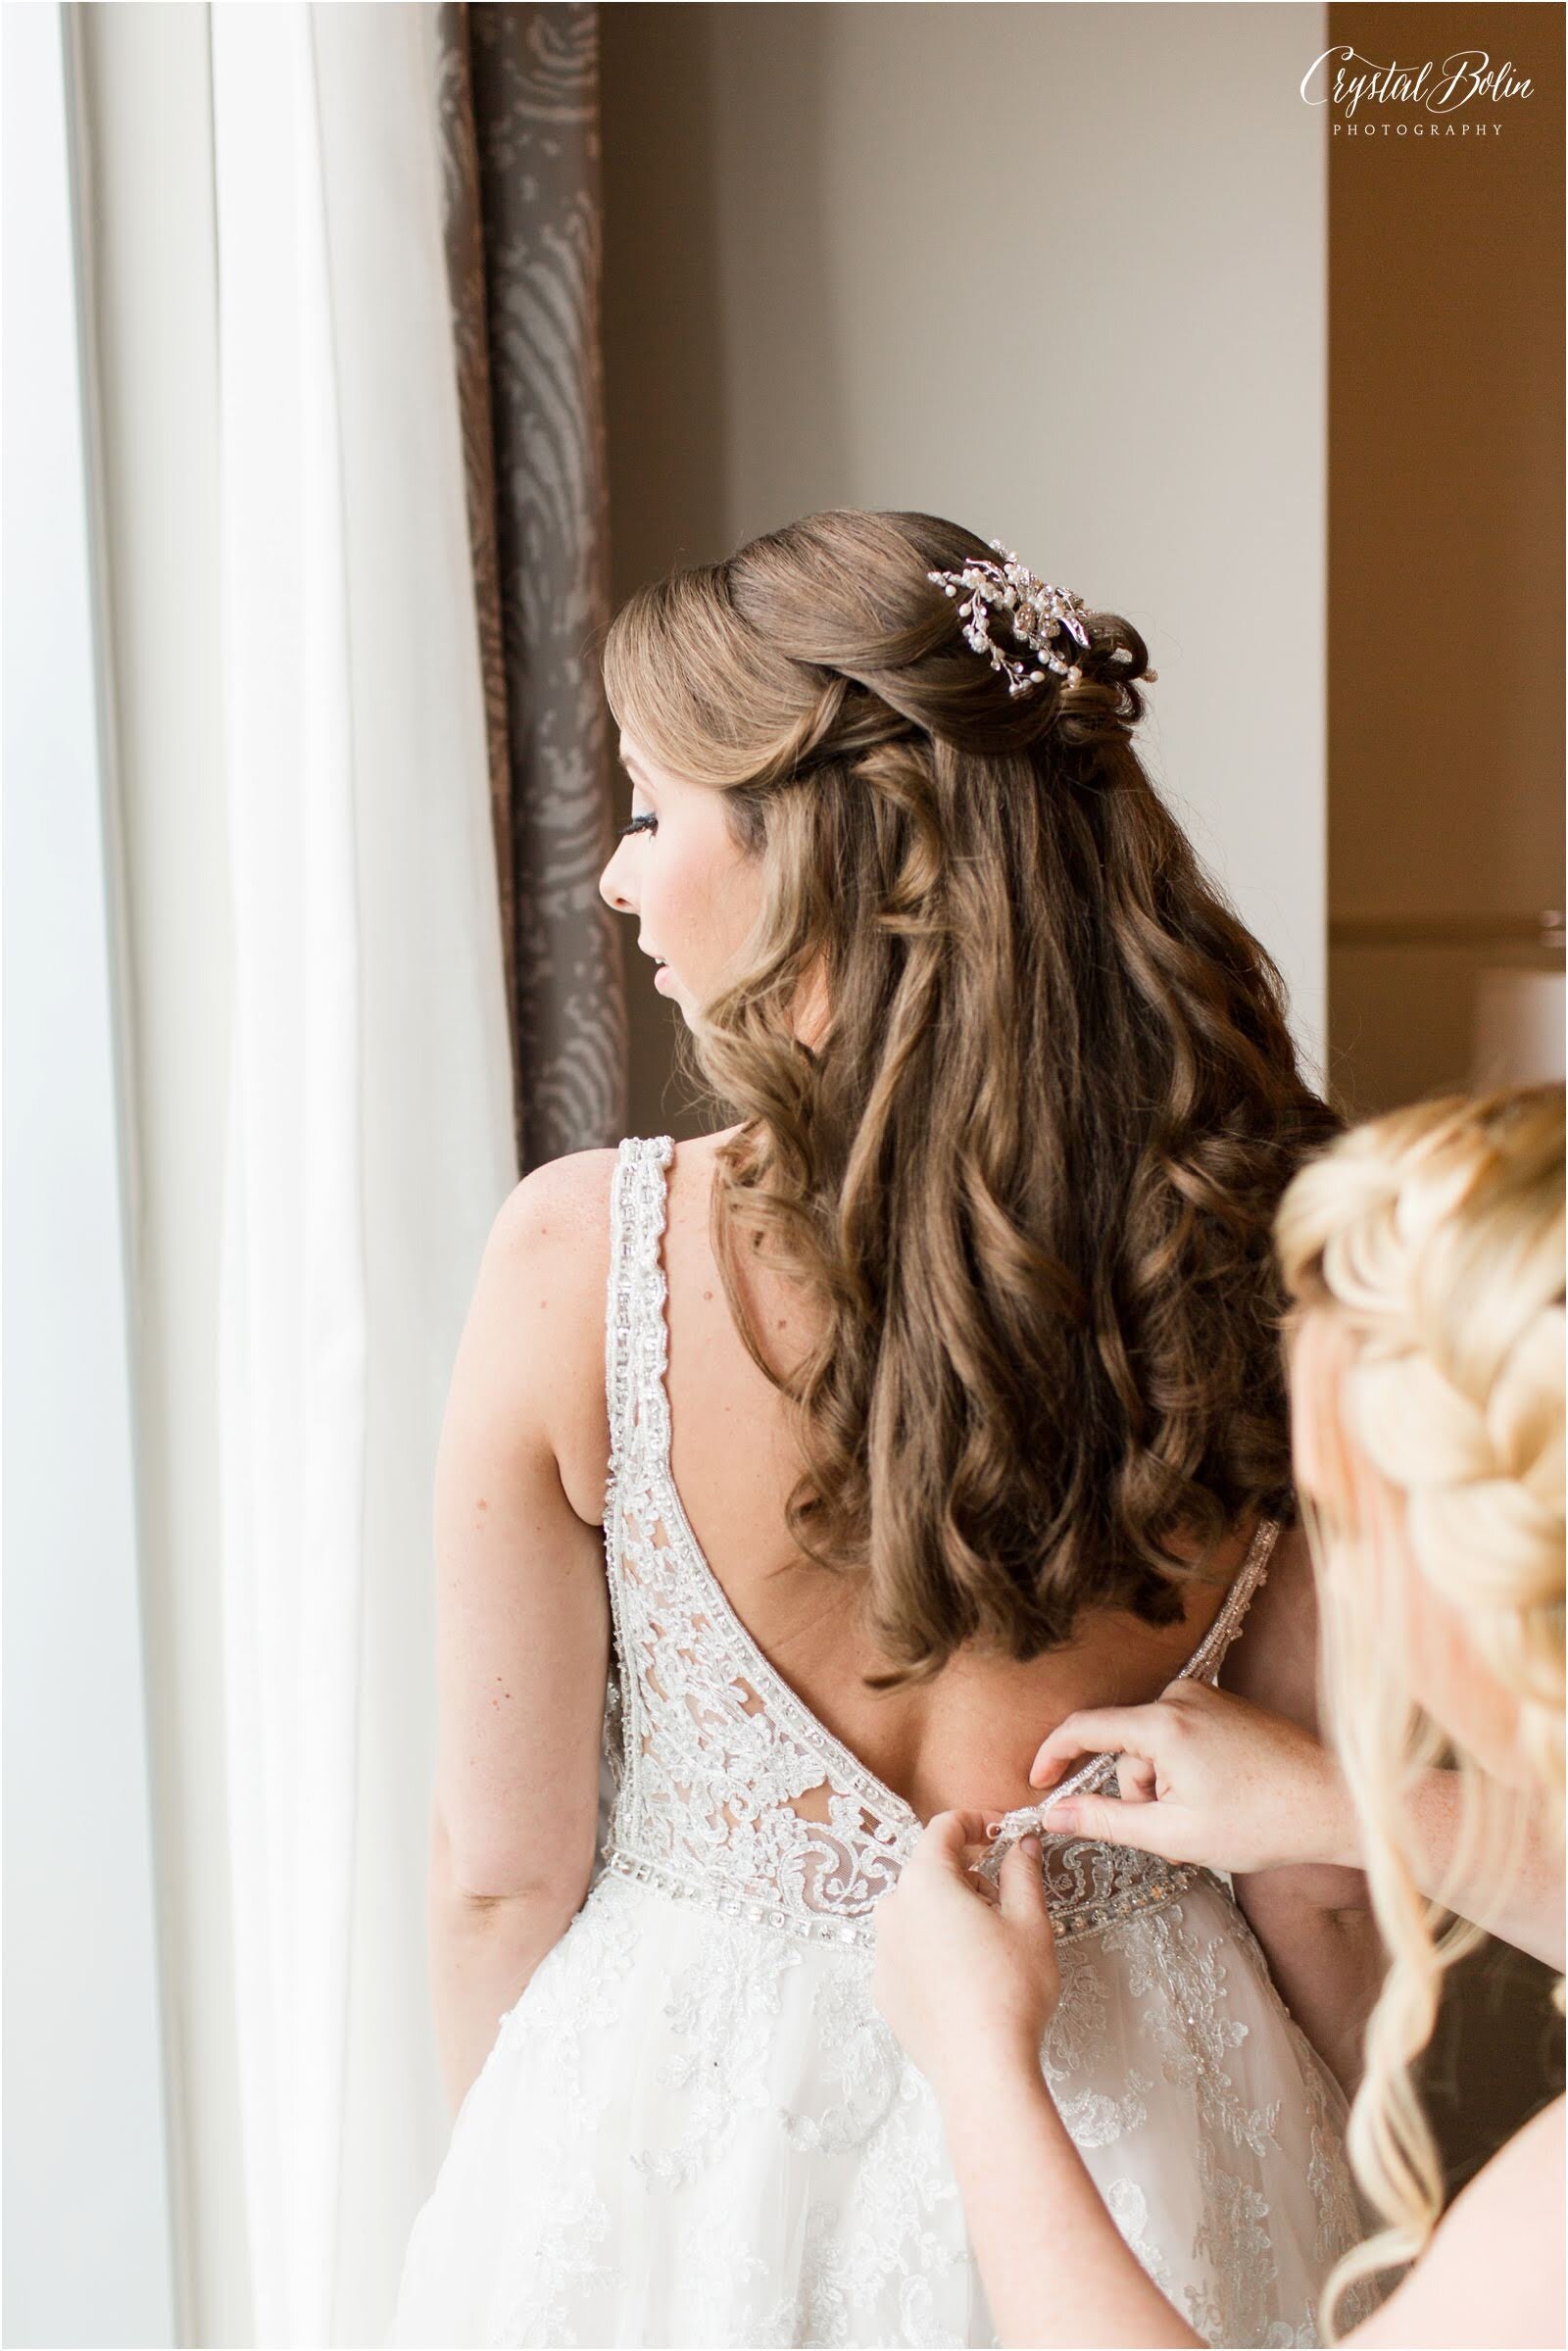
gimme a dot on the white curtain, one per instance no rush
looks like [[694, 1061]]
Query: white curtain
[[368, 1128], [291, 1298]]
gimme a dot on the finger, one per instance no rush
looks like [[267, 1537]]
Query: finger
[[1096, 1731], [941, 1843], [1136, 1779], [1151, 1828], [947, 1833], [1021, 1883], [1188, 1690]]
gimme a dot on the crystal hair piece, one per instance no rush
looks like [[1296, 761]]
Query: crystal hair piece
[[1037, 614]]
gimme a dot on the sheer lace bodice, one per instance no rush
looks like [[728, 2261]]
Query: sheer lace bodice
[[729, 1788]]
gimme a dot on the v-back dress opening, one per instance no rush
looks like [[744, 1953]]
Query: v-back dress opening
[[694, 2128]]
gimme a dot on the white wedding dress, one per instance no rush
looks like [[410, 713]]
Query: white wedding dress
[[694, 2128]]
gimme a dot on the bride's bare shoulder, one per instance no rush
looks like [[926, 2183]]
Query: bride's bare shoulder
[[553, 1228], [542, 1290], [691, 1173], [696, 1151], [557, 1215]]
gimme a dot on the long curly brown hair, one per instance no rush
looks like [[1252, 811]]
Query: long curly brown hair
[[1029, 1164]]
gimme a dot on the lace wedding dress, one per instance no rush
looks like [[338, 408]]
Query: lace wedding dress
[[694, 2128]]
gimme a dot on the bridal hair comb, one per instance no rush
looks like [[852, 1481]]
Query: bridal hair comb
[[1035, 612]]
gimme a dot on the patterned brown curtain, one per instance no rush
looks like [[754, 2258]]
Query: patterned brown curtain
[[520, 122]]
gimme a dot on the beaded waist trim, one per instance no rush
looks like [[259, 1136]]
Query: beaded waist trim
[[815, 1926], [1160, 1882]]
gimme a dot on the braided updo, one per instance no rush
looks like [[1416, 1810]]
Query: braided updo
[[1029, 1164], [1435, 1237], [1423, 1252]]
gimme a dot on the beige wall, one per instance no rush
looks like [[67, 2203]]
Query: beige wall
[[1056, 271], [1445, 555]]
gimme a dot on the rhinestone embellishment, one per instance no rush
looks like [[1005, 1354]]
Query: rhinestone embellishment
[[1037, 614]]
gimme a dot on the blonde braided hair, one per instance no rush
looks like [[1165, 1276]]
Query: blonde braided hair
[[1423, 1252]]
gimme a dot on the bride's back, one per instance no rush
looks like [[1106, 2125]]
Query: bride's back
[[965, 1736]]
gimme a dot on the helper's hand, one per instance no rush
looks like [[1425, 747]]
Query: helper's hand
[[1205, 1777], [964, 1975]]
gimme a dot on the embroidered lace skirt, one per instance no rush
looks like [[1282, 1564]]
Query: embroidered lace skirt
[[695, 2130]]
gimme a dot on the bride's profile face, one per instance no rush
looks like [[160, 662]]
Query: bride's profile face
[[678, 869]]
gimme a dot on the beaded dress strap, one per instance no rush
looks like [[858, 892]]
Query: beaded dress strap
[[626, 1309], [636, 1196]]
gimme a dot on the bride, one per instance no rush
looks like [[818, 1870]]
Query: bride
[[937, 1397]]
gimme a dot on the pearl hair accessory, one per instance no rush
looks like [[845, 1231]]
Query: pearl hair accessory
[[1035, 613]]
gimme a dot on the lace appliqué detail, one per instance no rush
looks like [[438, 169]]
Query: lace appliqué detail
[[858, 2056], [1191, 2030], [900, 2235], [572, 1999], [731, 1789], [883, 2255], [1128, 2207], [725, 2006], [896, 2227]]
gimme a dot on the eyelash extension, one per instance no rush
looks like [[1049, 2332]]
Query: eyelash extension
[[648, 823]]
